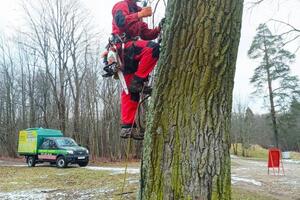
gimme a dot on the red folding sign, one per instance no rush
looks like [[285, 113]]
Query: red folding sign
[[275, 160]]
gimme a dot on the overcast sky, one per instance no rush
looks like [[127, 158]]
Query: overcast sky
[[285, 10]]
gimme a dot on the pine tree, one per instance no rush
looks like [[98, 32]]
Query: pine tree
[[273, 72]]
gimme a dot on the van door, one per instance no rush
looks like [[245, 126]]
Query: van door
[[53, 150], [46, 150]]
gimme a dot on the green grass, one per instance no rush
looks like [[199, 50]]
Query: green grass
[[295, 155], [72, 181], [242, 194], [65, 180], [255, 151], [239, 193]]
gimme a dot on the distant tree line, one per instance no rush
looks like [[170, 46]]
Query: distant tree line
[[249, 129], [50, 76]]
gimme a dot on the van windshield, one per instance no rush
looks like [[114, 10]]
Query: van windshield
[[66, 142]]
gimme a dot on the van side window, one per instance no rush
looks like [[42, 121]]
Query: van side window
[[52, 144], [45, 145]]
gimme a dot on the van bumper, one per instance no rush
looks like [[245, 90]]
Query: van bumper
[[77, 159]]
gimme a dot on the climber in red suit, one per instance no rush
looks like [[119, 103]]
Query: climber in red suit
[[139, 58]]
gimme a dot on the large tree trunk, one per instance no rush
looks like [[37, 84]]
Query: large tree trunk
[[186, 150]]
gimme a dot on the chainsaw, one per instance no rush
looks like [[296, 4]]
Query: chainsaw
[[112, 67]]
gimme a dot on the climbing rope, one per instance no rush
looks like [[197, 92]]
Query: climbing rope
[[128, 148], [126, 164], [149, 3]]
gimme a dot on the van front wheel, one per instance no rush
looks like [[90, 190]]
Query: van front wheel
[[31, 161], [61, 162]]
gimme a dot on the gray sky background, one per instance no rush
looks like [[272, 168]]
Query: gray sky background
[[285, 10]]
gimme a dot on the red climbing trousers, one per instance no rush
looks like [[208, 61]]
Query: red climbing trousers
[[140, 58]]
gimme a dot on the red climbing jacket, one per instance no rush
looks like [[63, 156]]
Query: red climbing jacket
[[125, 14]]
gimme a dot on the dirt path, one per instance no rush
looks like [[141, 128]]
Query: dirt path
[[253, 175], [249, 175], [12, 163]]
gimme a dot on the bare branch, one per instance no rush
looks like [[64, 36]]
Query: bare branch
[[287, 24]]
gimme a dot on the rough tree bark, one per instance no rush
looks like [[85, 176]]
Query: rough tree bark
[[186, 150]]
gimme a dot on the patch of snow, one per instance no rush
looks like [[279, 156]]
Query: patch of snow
[[257, 163], [14, 183], [13, 165], [62, 174], [115, 170], [243, 168], [105, 190], [133, 181], [291, 161], [60, 194], [43, 194], [235, 179], [86, 194], [90, 194], [291, 182], [25, 195], [76, 194]]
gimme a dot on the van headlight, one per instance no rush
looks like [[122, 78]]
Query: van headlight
[[87, 151], [70, 152]]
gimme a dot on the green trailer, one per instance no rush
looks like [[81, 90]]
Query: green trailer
[[40, 145]]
